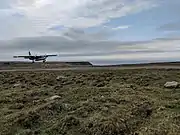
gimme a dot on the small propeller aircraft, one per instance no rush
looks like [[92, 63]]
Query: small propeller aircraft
[[34, 58]]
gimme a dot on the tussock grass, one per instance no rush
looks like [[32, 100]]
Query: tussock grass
[[118, 102]]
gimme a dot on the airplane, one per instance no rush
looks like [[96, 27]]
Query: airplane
[[35, 57]]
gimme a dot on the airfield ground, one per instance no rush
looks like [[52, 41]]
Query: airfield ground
[[93, 101]]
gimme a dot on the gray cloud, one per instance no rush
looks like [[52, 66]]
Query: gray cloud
[[170, 27], [79, 34], [32, 25], [102, 51], [113, 9], [58, 43]]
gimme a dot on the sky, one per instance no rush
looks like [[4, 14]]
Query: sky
[[99, 31]]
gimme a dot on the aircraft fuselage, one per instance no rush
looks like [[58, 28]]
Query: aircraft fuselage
[[34, 58], [38, 58]]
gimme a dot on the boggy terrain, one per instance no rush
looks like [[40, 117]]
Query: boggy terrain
[[94, 102]]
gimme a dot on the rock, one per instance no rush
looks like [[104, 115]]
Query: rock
[[17, 85], [67, 107], [102, 97], [53, 98], [61, 77], [172, 84]]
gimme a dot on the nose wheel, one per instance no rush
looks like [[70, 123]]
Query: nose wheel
[[44, 61]]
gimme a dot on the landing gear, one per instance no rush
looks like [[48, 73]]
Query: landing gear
[[33, 61], [44, 61]]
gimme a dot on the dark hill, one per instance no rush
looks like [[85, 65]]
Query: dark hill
[[20, 64]]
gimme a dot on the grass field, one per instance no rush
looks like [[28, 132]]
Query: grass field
[[94, 102]]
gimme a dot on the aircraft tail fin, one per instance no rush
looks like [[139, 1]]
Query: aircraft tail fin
[[29, 53]]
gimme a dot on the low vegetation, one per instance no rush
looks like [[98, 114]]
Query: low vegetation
[[94, 102]]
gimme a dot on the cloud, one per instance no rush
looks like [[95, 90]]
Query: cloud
[[94, 50], [79, 34], [40, 15], [76, 29], [121, 27], [175, 26]]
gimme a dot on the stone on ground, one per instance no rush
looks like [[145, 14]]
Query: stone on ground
[[54, 98], [172, 84], [17, 85], [61, 77]]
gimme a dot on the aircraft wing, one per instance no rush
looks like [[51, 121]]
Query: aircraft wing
[[51, 55], [26, 57]]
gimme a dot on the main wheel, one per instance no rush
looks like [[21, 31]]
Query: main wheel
[[44, 61]]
